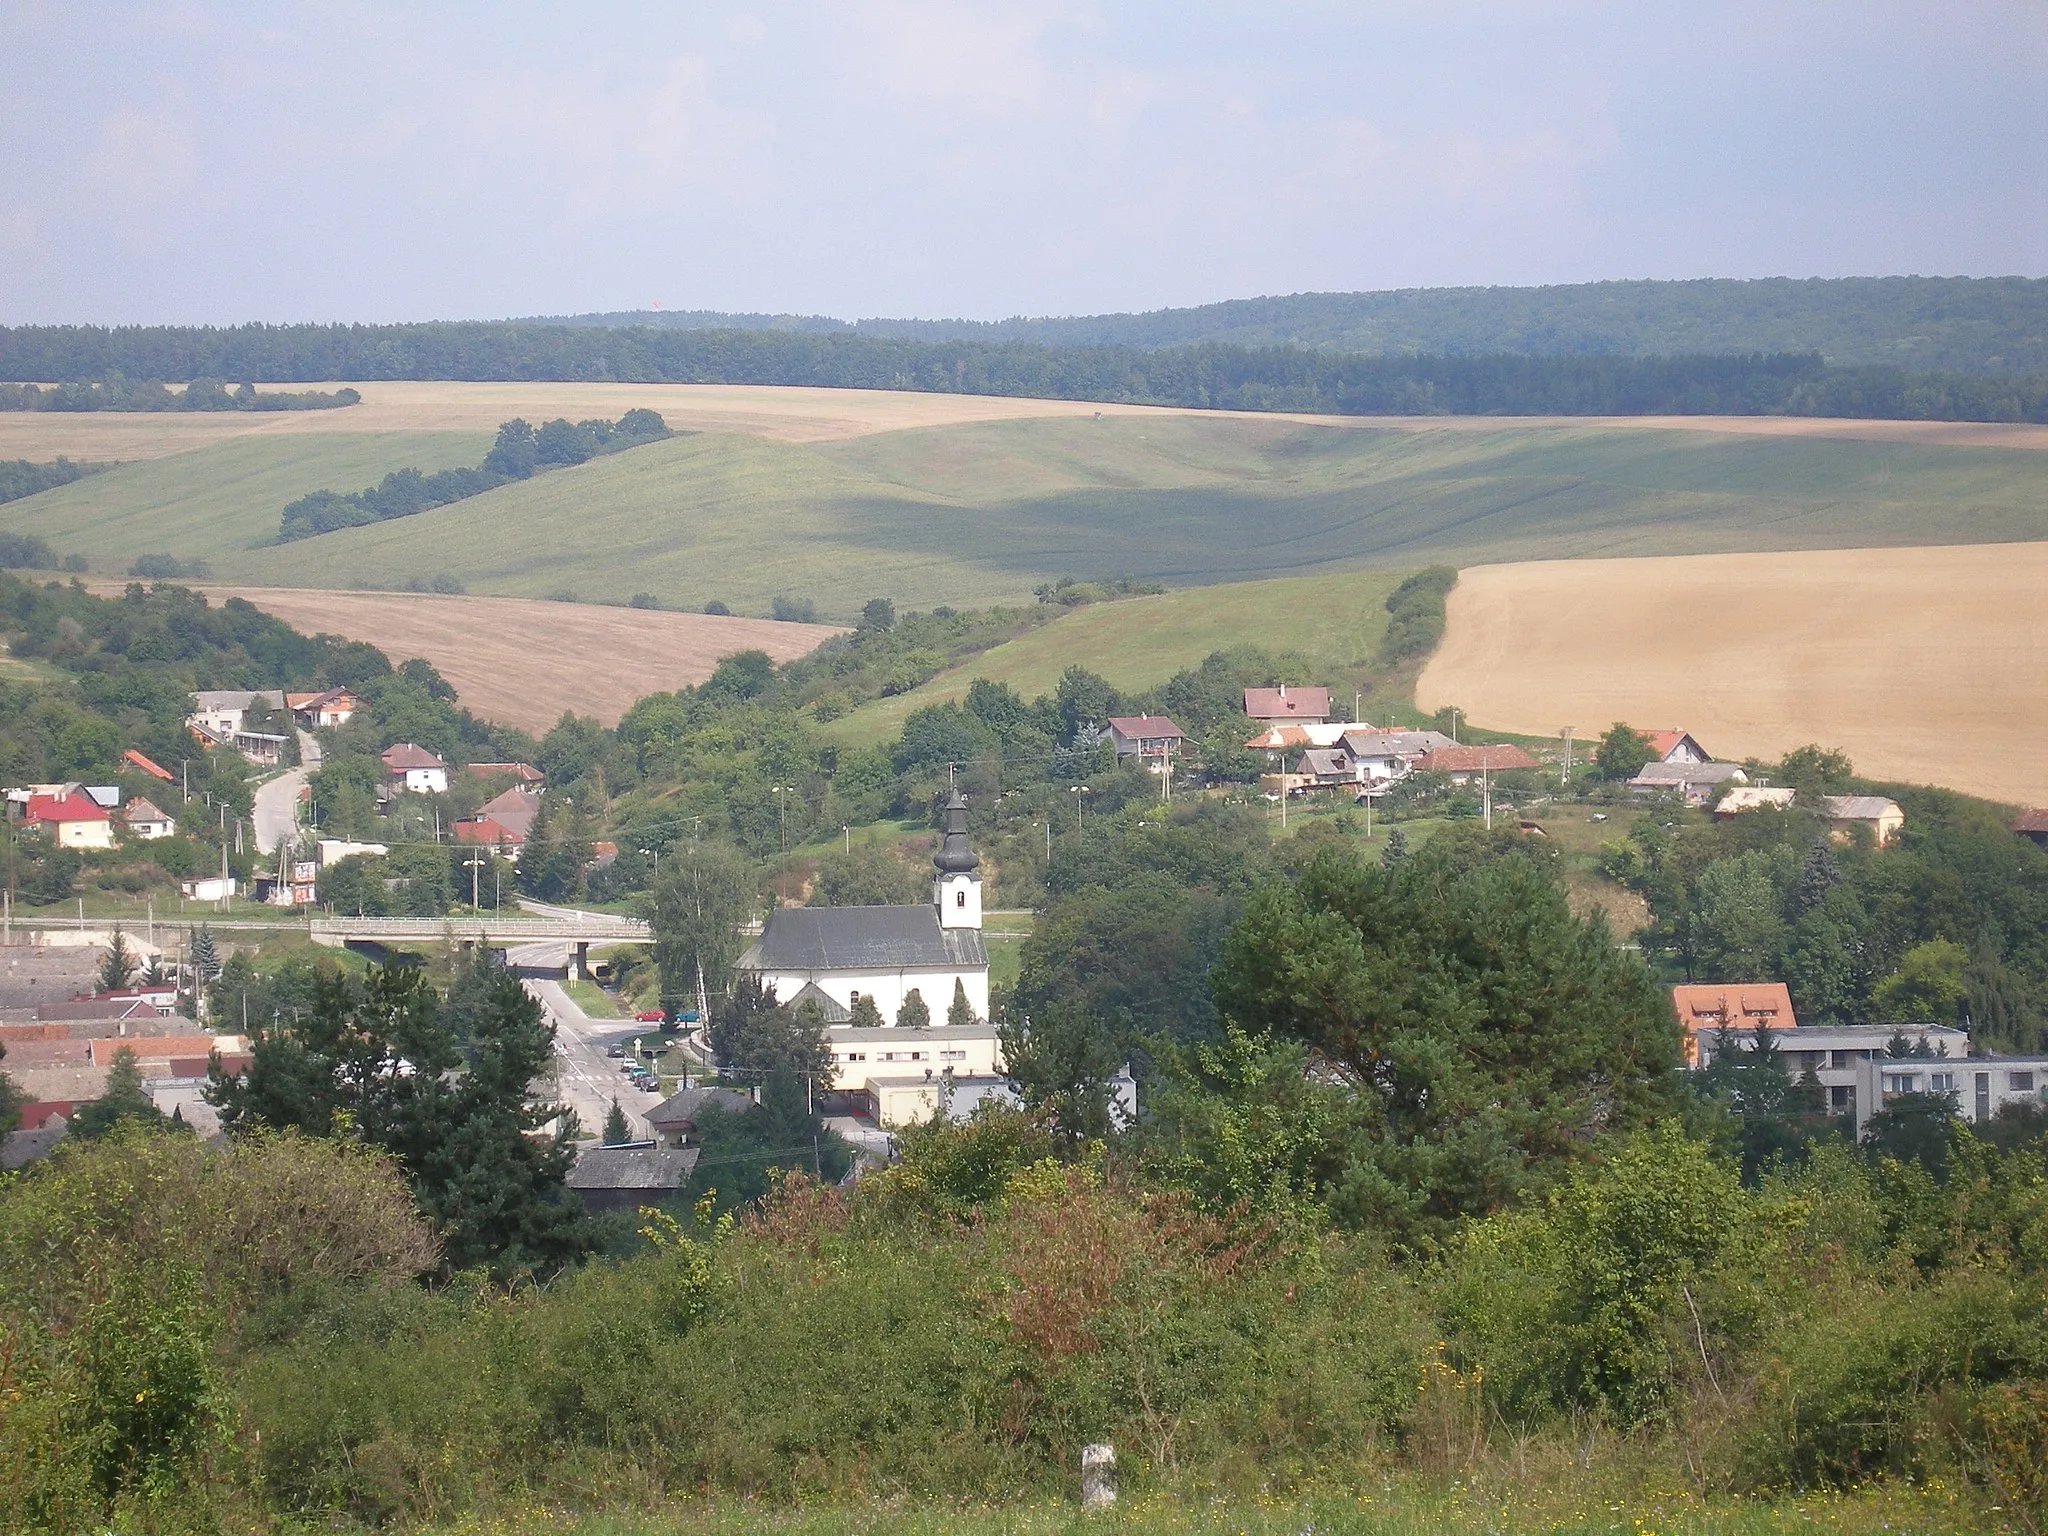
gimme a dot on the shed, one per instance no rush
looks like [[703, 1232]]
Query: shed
[[627, 1177]]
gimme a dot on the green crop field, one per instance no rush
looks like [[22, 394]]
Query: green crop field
[[1336, 618], [985, 511], [212, 503]]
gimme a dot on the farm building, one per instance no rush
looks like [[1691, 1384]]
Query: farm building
[[1694, 783], [627, 1177], [1753, 797], [1882, 818], [1464, 764]]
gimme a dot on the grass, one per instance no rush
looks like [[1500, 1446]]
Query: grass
[[1390, 1510], [985, 511], [1141, 642], [592, 999], [214, 502]]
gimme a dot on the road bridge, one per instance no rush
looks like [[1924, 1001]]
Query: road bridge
[[576, 933]]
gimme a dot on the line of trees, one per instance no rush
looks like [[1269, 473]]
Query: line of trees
[[116, 393], [520, 452], [1208, 375]]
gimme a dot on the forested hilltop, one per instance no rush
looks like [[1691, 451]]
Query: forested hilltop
[[1210, 376], [1993, 325]]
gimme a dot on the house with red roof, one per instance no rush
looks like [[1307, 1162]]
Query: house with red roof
[[1466, 763], [1675, 746], [73, 819], [1278, 706], [134, 759]]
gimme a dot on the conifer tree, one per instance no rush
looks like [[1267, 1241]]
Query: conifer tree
[[962, 1012], [123, 1100], [616, 1132], [865, 1013], [914, 1014], [205, 958], [118, 969]]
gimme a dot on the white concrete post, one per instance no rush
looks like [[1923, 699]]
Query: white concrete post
[[1098, 1476]]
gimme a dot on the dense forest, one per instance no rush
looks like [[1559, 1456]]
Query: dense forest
[[1948, 324], [1206, 376]]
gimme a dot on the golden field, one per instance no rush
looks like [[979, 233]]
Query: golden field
[[1925, 665], [523, 662]]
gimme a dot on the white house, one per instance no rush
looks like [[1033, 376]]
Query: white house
[[219, 711], [413, 768], [1853, 1064], [320, 711], [829, 957], [1675, 746], [1378, 757], [207, 887], [145, 821]]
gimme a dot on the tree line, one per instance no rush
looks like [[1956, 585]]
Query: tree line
[[520, 452], [115, 393], [1208, 375]]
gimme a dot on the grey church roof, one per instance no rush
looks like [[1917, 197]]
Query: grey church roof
[[862, 939]]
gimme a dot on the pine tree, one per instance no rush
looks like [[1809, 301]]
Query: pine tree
[[118, 969], [123, 1100], [1821, 875], [616, 1132], [914, 1014], [865, 1013], [205, 959], [962, 1012], [1396, 849]]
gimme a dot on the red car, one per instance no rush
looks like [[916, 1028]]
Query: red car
[[654, 1017]]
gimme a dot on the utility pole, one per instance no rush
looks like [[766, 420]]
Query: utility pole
[[846, 832], [1486, 794], [476, 864], [782, 792], [1567, 733]]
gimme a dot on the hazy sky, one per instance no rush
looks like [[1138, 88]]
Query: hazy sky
[[214, 162]]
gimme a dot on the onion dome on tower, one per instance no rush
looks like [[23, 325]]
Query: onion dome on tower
[[957, 890]]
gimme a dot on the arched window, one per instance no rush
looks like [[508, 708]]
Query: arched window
[[959, 898]]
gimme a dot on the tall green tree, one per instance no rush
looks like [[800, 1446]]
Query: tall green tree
[[377, 1061], [123, 1099], [616, 1131], [119, 966], [1623, 752], [703, 894], [1061, 1060], [1487, 1032]]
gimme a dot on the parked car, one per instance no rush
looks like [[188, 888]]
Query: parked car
[[615, 1051], [652, 1016]]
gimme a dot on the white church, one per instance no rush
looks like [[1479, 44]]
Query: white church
[[831, 956]]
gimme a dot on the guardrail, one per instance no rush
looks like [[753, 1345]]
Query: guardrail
[[520, 929]]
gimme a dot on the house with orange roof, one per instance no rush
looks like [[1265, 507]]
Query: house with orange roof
[[1708, 1007], [134, 759], [1464, 764], [1675, 746]]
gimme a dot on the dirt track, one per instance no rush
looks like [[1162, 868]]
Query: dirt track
[[806, 415], [522, 662], [1926, 665]]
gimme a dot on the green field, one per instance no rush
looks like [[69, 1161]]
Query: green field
[[985, 512], [1140, 642], [213, 503]]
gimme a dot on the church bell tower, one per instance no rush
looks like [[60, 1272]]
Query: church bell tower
[[957, 890]]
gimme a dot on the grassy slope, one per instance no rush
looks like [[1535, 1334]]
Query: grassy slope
[[216, 501], [1140, 642], [983, 512]]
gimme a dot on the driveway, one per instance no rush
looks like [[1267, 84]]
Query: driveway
[[277, 800]]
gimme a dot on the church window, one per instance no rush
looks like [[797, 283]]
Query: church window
[[959, 898]]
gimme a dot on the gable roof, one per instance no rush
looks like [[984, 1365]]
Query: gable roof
[[2031, 821], [1754, 797], [811, 995], [1495, 759], [862, 939], [1370, 743], [135, 759], [1705, 1006], [1661, 775], [54, 808], [408, 755], [1326, 763], [1664, 743], [680, 1110], [1858, 807], [1146, 727], [1280, 704], [632, 1168], [140, 809], [515, 810]]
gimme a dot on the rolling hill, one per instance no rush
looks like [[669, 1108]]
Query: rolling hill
[[983, 511], [1140, 642]]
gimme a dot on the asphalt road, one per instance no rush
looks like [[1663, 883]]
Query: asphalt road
[[587, 1079], [277, 800]]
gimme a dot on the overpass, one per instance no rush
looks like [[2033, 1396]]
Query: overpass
[[577, 933]]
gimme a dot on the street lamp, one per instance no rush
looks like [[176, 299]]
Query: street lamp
[[781, 792], [1078, 791]]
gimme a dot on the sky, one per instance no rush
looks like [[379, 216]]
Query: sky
[[180, 162]]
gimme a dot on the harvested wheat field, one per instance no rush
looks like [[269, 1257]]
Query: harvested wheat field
[[804, 415], [522, 662], [1926, 665]]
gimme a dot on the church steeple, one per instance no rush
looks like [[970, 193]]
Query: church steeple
[[957, 890]]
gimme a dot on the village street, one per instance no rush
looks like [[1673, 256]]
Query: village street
[[277, 800]]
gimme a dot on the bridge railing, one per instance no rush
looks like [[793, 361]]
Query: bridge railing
[[489, 927]]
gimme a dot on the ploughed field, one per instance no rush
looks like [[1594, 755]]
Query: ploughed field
[[1925, 665], [521, 662], [839, 495]]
